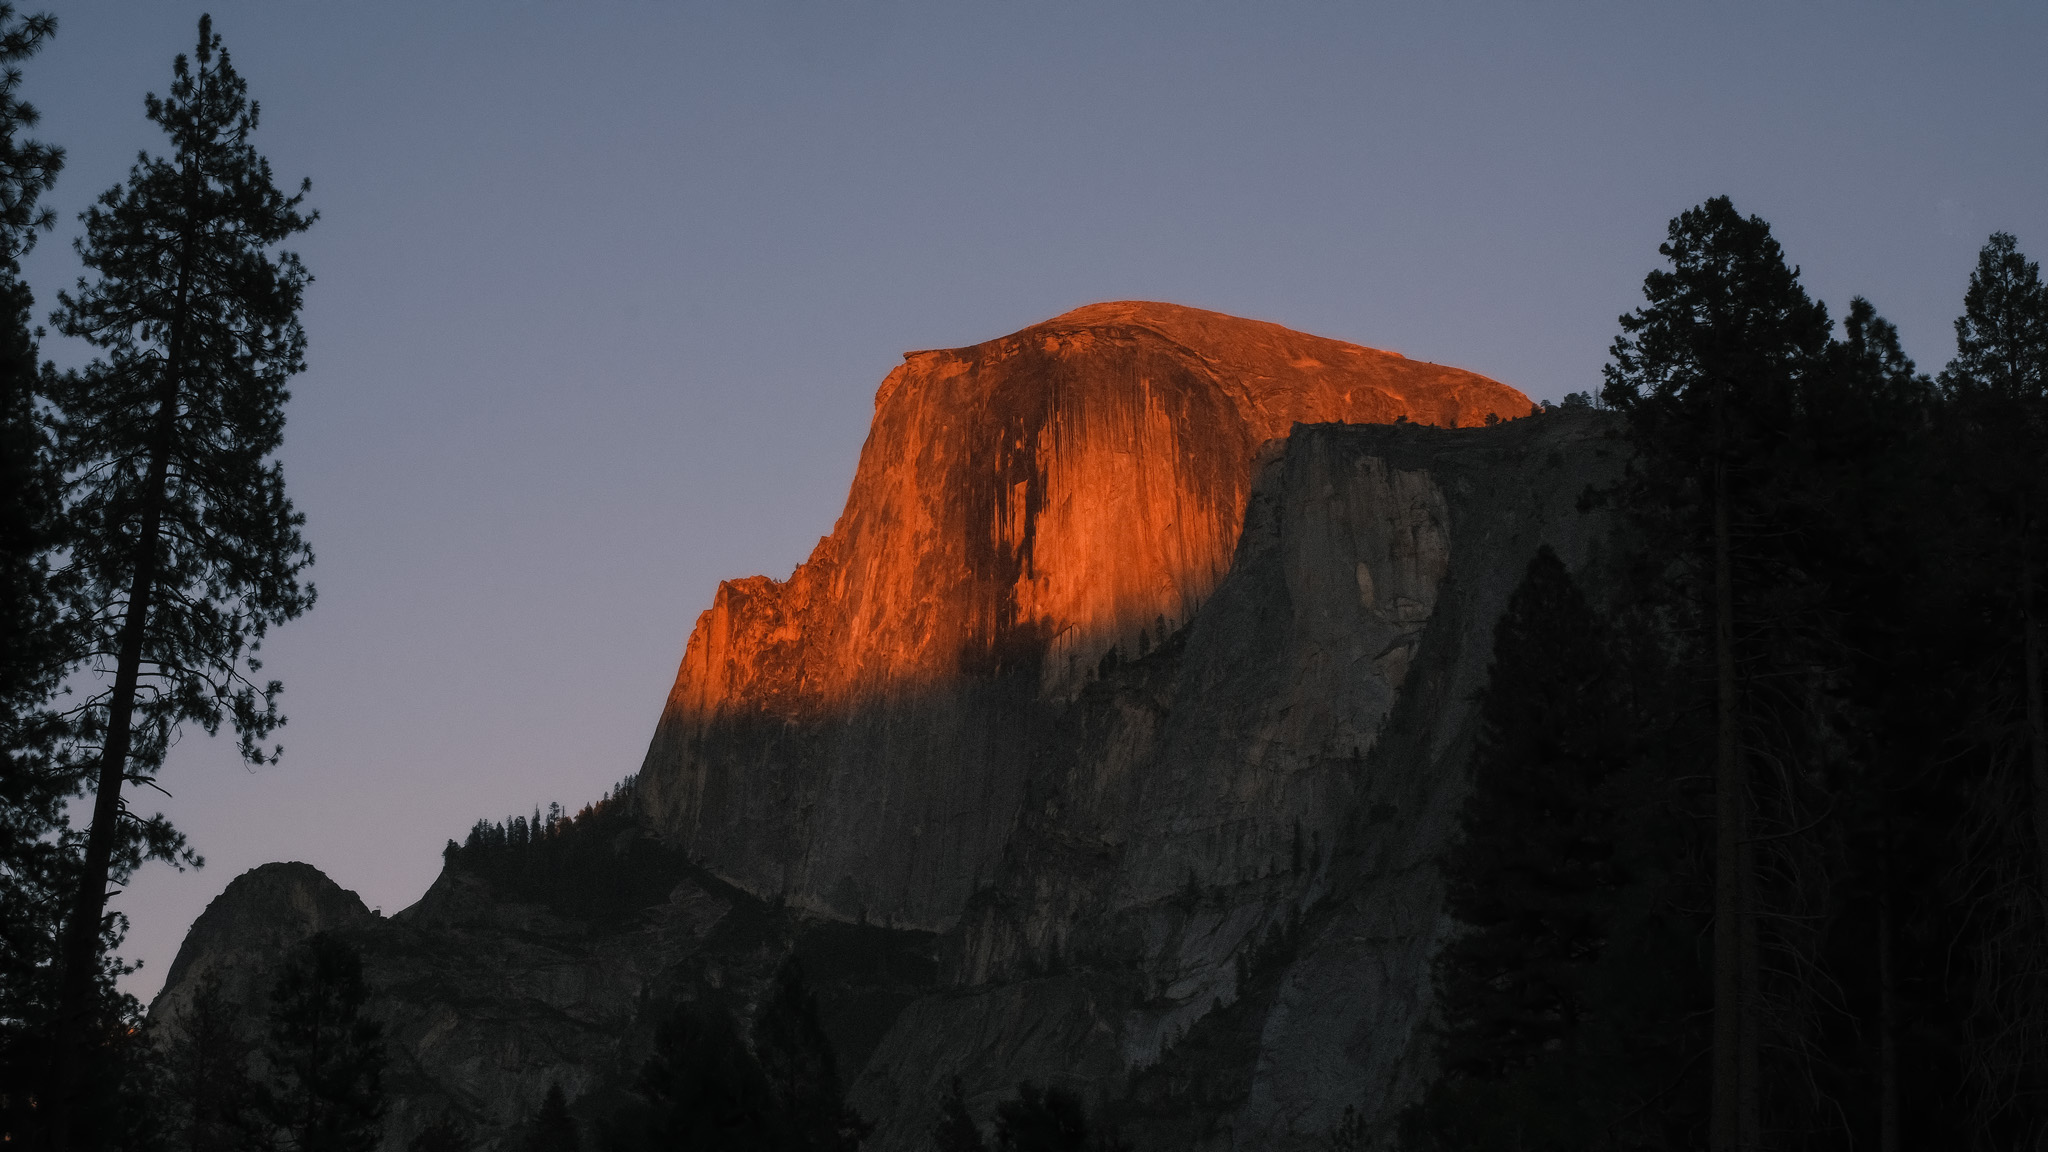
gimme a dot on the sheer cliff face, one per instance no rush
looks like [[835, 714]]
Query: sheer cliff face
[[853, 737]]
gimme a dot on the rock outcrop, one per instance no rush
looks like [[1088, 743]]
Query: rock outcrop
[[493, 987], [1110, 740], [261, 915], [850, 738]]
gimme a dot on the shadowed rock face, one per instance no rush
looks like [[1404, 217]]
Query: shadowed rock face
[[259, 917], [491, 989], [1215, 912], [850, 738]]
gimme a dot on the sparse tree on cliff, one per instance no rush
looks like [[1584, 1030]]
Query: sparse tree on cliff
[[184, 540], [327, 1056]]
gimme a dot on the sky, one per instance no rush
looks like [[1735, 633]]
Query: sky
[[603, 290]]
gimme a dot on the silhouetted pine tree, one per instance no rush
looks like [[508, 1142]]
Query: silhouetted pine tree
[[32, 652], [1562, 993], [40, 852], [802, 1070], [326, 1056], [552, 1129], [704, 1090], [1997, 386], [1534, 871], [209, 1100], [1710, 376], [186, 546], [1874, 529], [36, 848], [1814, 516]]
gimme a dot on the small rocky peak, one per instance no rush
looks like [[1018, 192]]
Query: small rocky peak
[[263, 913]]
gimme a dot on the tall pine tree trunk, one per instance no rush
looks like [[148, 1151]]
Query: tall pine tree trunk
[[1726, 1132], [2037, 725], [81, 955], [76, 995], [1749, 1125], [1887, 1016]]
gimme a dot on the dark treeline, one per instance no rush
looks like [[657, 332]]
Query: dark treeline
[[1036, 1119], [599, 864], [522, 841], [1756, 854], [306, 1076], [708, 1085]]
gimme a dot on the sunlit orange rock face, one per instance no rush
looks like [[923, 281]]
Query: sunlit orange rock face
[[1021, 508], [1036, 499]]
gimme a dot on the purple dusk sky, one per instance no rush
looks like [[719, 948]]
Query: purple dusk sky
[[604, 289]]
